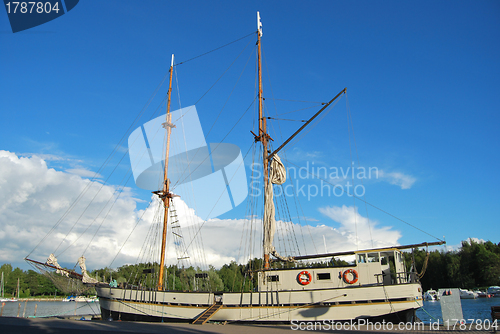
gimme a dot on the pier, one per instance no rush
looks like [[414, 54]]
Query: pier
[[51, 325]]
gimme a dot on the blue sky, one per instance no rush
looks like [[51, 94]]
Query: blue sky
[[422, 84]]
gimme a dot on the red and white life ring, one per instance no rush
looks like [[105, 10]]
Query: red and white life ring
[[354, 273], [304, 277]]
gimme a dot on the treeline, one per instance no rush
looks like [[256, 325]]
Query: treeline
[[474, 265], [229, 278], [31, 283]]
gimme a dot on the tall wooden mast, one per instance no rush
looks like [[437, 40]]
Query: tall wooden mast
[[263, 136], [165, 194]]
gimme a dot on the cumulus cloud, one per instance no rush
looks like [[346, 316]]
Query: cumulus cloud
[[457, 247], [83, 172], [399, 179], [295, 239], [34, 197], [359, 231]]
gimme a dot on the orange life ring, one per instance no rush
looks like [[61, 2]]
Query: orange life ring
[[354, 275], [304, 277]]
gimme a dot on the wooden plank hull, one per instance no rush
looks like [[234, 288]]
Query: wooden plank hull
[[394, 302]]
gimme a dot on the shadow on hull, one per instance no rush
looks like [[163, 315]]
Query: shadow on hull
[[407, 316]]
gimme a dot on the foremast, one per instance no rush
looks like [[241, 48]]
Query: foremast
[[165, 195]]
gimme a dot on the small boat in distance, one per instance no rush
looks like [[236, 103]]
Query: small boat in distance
[[466, 294], [494, 291], [482, 294], [431, 295]]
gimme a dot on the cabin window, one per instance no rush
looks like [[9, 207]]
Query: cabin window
[[273, 278], [399, 257], [361, 258], [372, 257], [323, 276]]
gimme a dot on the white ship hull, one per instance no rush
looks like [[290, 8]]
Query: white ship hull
[[394, 302]]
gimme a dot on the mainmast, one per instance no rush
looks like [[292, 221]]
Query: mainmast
[[263, 136], [165, 194]]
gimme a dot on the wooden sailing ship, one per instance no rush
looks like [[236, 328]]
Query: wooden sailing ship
[[376, 285]]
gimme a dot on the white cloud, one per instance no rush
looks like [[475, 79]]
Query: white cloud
[[298, 154], [359, 231], [33, 198], [400, 179], [476, 240], [83, 172], [456, 247], [46, 157], [231, 237]]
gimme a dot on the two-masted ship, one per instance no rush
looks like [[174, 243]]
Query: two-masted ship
[[376, 285]]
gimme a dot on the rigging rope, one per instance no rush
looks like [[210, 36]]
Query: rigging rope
[[223, 192], [179, 181], [106, 162], [201, 255], [352, 179], [287, 119], [349, 121], [215, 148], [297, 202], [372, 205], [424, 267], [220, 47], [301, 109], [234, 87], [102, 186], [321, 103]]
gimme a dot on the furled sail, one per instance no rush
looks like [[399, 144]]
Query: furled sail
[[52, 260], [86, 278], [277, 175]]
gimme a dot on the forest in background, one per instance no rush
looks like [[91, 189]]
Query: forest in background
[[475, 265]]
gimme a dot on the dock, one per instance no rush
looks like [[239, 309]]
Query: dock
[[53, 325]]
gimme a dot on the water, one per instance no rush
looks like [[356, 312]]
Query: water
[[45, 309], [479, 308]]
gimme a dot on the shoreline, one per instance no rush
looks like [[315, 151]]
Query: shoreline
[[38, 299], [35, 299]]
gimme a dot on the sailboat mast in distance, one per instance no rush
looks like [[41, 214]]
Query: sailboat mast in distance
[[165, 194]]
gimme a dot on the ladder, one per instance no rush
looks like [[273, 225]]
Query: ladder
[[180, 246], [209, 312]]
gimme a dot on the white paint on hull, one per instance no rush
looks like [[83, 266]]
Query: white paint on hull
[[328, 304]]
